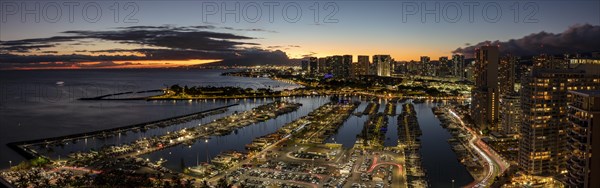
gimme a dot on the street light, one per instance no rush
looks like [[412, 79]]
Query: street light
[[10, 164], [206, 141], [452, 183]]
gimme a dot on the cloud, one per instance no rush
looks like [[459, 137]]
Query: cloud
[[154, 43], [254, 30], [80, 65], [310, 54], [104, 64], [255, 57], [576, 39]]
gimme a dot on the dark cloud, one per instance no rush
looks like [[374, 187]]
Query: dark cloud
[[156, 43], [105, 64], [169, 38], [35, 44], [310, 54], [11, 59], [254, 30], [287, 47], [25, 48], [255, 57], [576, 39]]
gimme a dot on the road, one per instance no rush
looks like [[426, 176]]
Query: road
[[495, 164]]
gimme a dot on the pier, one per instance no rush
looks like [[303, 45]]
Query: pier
[[23, 150]]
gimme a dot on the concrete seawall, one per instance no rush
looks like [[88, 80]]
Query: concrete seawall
[[28, 154]]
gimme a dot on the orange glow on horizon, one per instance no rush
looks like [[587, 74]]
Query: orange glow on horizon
[[117, 64]]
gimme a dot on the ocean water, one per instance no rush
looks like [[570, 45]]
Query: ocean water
[[33, 105]]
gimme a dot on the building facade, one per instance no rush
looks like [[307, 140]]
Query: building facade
[[346, 65], [313, 64], [383, 64], [304, 65], [510, 114], [458, 62], [362, 66], [584, 123], [507, 74], [544, 102], [485, 95]]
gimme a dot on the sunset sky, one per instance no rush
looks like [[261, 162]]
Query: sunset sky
[[173, 33]]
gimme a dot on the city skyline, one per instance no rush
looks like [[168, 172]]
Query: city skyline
[[300, 94]]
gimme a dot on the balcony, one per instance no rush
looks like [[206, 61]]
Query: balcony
[[579, 122], [574, 181], [576, 165], [576, 136]]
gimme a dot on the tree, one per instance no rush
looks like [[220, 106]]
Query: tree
[[176, 88], [222, 183]]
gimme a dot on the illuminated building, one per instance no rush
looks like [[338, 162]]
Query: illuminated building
[[510, 113], [322, 64], [362, 67], [341, 66], [544, 100], [313, 65], [346, 65], [458, 62], [584, 123], [383, 64], [304, 65], [576, 61], [507, 74], [426, 66], [484, 103], [329, 63]]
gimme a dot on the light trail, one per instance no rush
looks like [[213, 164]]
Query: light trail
[[491, 164]]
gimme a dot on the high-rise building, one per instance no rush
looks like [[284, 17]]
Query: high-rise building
[[470, 72], [544, 100], [362, 67], [458, 62], [337, 66], [383, 64], [322, 61], [346, 65], [584, 123], [510, 113], [329, 64], [549, 62], [484, 103], [425, 59], [426, 66], [304, 65], [414, 67], [443, 59], [507, 75], [576, 61], [313, 65]]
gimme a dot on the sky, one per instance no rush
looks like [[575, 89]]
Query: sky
[[156, 33]]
